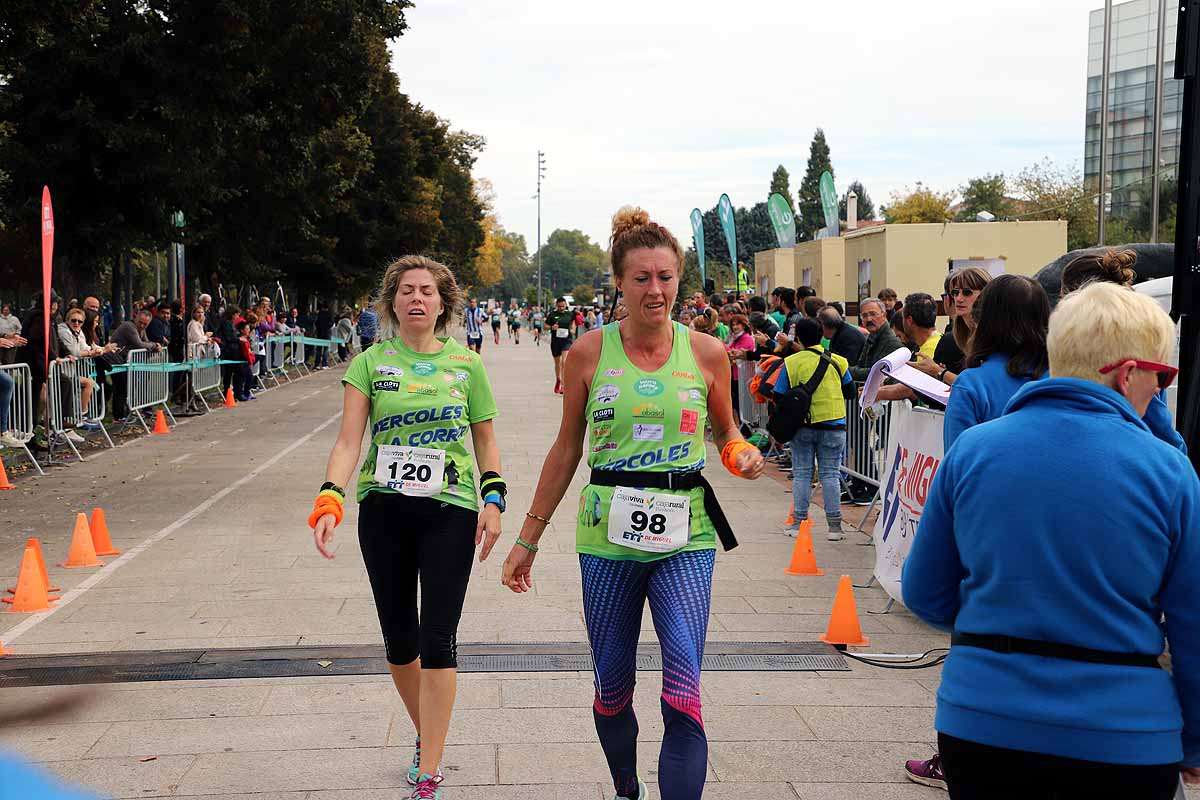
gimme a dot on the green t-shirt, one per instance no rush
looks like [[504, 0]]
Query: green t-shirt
[[722, 331], [424, 400], [779, 318]]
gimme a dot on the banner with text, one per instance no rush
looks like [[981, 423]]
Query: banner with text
[[914, 452], [829, 204], [47, 267], [698, 239], [782, 220], [725, 212]]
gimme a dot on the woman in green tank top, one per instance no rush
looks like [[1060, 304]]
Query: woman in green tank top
[[637, 395]]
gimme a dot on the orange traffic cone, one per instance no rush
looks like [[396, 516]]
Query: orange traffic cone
[[82, 552], [160, 423], [804, 561], [5, 483], [4, 652], [41, 562], [843, 622], [229, 401], [31, 592], [100, 540], [791, 520]]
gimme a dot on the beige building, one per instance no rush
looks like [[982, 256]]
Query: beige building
[[909, 258]]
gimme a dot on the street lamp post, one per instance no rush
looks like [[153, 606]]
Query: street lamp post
[[541, 171]]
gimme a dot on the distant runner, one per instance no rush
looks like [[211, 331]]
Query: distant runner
[[496, 323], [536, 320], [514, 323], [562, 332], [474, 319]]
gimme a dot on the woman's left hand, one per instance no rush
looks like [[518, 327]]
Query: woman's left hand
[[927, 365], [750, 463], [488, 530]]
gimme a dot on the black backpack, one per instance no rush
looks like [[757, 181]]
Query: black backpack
[[794, 408]]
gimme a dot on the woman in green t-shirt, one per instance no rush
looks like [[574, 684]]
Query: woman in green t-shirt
[[419, 517], [638, 392]]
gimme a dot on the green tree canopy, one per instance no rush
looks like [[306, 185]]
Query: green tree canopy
[[866, 208], [812, 217], [920, 205], [985, 193], [779, 183], [570, 258]]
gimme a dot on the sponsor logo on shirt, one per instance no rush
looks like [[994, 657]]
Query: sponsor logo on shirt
[[688, 420], [663, 455], [390, 353], [686, 375], [422, 388], [648, 411], [614, 373], [589, 508], [601, 431], [607, 393], [423, 368], [644, 432], [384, 369], [457, 394], [468, 359], [600, 448], [603, 414], [387, 386], [648, 387], [690, 394]]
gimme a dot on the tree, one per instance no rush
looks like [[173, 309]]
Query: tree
[[570, 258], [584, 294], [920, 205], [1059, 192], [866, 208], [986, 193], [779, 184], [811, 213]]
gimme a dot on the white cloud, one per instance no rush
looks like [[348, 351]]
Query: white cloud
[[666, 103]]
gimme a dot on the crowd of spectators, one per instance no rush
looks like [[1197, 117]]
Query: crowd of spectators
[[92, 330]]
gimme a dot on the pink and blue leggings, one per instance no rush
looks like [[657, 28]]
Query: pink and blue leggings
[[679, 589]]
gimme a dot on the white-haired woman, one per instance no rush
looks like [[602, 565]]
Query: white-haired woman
[[1053, 685], [419, 518]]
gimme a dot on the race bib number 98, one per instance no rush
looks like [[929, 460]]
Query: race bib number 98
[[414, 471], [656, 523]]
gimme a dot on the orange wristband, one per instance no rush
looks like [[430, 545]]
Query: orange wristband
[[730, 452], [325, 504]]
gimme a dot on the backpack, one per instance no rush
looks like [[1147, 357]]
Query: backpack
[[794, 408], [765, 375]]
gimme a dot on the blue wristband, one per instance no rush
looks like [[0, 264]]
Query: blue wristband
[[496, 499]]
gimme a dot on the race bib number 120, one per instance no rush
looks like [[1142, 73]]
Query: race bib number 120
[[414, 471], [656, 523]]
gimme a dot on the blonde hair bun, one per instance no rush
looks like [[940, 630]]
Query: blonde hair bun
[[627, 219]]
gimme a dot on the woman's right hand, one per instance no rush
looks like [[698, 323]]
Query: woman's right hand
[[323, 534], [516, 574]]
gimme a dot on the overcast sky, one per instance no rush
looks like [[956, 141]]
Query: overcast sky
[[666, 104]]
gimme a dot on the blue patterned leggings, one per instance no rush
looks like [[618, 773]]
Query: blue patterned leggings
[[679, 589]]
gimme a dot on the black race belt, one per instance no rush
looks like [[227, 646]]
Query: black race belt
[[673, 480], [1034, 647]]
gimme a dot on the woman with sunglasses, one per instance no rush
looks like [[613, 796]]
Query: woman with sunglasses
[[1055, 541], [962, 289]]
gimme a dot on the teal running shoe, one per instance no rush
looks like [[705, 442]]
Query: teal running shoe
[[643, 791], [427, 787], [414, 771]]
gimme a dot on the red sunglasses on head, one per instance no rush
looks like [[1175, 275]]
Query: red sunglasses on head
[[1165, 372]]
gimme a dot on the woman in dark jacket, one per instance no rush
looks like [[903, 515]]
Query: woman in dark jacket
[[324, 328], [231, 349]]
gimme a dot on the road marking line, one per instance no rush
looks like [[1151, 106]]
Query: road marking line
[[293, 403], [239, 430], [183, 457], [214, 443], [32, 622]]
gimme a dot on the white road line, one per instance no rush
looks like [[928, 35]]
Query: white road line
[[32, 622], [183, 457], [214, 443], [293, 403], [239, 430]]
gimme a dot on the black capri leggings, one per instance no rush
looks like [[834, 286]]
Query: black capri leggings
[[404, 539]]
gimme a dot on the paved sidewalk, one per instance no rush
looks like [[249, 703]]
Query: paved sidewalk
[[242, 572]]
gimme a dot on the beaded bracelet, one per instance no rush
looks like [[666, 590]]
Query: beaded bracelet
[[532, 515]]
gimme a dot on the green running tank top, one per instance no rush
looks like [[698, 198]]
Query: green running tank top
[[641, 421]]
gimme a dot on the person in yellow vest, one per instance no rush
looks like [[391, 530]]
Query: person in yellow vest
[[822, 437]]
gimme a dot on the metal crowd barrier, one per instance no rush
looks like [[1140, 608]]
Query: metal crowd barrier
[[20, 408], [317, 346], [275, 349], [205, 358], [64, 399], [866, 441], [298, 356], [752, 413], [149, 383]]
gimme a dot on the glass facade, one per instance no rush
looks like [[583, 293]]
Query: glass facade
[[1131, 110]]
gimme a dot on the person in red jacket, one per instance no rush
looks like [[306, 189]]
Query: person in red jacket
[[242, 377]]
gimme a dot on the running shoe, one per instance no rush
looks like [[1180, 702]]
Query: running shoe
[[75, 437], [7, 439], [792, 533], [414, 771], [557, 386], [427, 788], [835, 530], [927, 772], [90, 426], [643, 791]]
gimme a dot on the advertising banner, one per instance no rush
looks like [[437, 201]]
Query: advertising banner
[[47, 266], [698, 238], [782, 220], [725, 212], [829, 204], [914, 453]]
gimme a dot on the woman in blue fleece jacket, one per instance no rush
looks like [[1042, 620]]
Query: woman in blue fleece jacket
[[1067, 526]]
